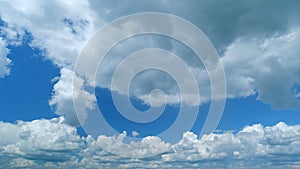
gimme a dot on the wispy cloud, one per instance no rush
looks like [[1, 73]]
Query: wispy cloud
[[4, 61]]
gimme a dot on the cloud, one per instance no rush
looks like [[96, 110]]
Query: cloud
[[61, 33], [148, 146], [259, 48], [224, 22], [46, 140], [135, 133], [4, 61], [267, 67], [271, 43], [10, 35], [64, 93], [252, 141], [51, 143], [270, 39]]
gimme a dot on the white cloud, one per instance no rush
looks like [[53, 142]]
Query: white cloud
[[148, 146], [12, 34], [21, 163], [4, 61], [48, 143], [48, 140], [250, 143], [135, 133], [64, 93], [51, 143], [61, 33], [267, 66], [66, 32], [9, 35]]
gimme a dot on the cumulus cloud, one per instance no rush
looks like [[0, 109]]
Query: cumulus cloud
[[268, 67], [270, 39], [252, 141], [148, 146], [51, 143], [270, 43], [64, 93], [47, 140], [61, 33], [259, 49]]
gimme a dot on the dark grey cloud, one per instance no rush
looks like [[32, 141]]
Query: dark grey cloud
[[224, 21]]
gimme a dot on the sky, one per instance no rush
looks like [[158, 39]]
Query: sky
[[50, 101]]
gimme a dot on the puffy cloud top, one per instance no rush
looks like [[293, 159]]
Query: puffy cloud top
[[51, 143]]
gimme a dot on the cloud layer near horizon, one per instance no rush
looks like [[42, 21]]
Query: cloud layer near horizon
[[53, 144]]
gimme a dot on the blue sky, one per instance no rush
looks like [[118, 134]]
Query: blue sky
[[257, 46], [36, 74]]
